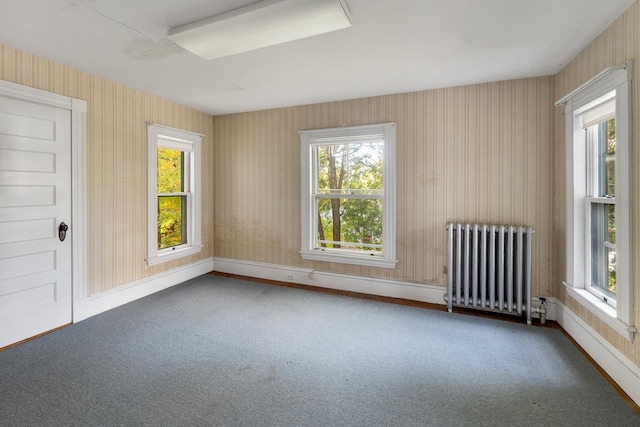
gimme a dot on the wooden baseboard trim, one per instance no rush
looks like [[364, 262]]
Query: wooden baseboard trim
[[15, 344]]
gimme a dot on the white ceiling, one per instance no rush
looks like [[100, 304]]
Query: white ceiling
[[393, 46]]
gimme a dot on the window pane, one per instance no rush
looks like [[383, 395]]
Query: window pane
[[350, 224], [170, 170], [603, 248], [365, 168], [606, 167], [332, 160], [611, 158], [350, 168], [172, 221]]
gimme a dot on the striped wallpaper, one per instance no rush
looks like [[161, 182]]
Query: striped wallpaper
[[117, 164], [479, 153], [619, 43]]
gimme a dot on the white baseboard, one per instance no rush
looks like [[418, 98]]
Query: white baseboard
[[364, 285], [622, 370], [98, 303], [433, 294]]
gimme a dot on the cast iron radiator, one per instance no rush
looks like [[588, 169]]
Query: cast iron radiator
[[489, 268]]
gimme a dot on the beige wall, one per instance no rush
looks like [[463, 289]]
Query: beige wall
[[117, 164], [479, 153], [619, 43]]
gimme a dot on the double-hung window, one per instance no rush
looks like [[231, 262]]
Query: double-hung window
[[174, 193], [598, 138], [348, 195], [599, 125]]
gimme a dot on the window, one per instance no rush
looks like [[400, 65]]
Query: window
[[600, 139], [348, 195], [174, 193], [598, 123]]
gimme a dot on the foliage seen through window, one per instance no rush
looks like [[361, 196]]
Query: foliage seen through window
[[349, 195], [171, 208]]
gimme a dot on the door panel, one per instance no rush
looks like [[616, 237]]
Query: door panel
[[35, 197], [14, 267], [26, 161]]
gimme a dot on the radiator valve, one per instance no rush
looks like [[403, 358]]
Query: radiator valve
[[542, 310]]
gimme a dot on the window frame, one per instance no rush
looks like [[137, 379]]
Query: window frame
[[159, 136], [311, 138], [591, 94]]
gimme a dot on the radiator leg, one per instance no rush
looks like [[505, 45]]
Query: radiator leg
[[445, 297]]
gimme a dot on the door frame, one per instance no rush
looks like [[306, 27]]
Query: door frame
[[78, 110]]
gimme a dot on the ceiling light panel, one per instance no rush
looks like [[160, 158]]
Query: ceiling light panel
[[261, 24]]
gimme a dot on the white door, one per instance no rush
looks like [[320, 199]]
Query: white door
[[35, 198]]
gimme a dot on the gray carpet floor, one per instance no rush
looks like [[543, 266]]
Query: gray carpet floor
[[225, 352]]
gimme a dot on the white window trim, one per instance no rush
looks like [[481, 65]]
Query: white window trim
[[186, 141], [388, 257], [617, 79]]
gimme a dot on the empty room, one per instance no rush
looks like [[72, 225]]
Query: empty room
[[319, 212]]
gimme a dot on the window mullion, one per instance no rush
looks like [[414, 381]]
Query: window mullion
[[177, 193], [603, 200]]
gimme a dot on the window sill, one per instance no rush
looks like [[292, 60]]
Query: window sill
[[602, 310], [169, 256], [372, 261]]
